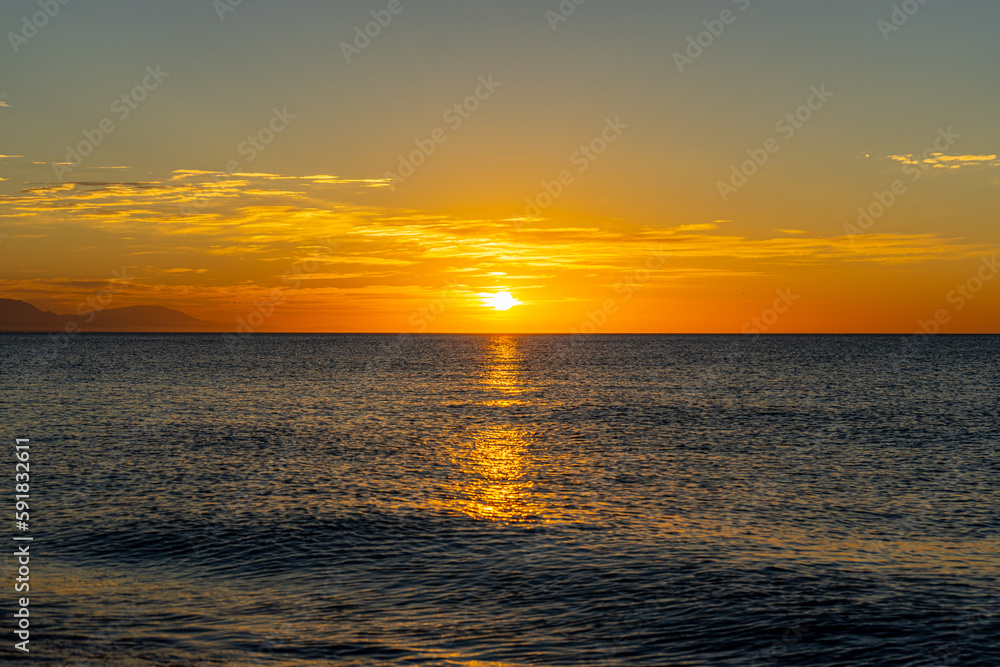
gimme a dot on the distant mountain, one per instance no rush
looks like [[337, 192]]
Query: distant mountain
[[21, 316]]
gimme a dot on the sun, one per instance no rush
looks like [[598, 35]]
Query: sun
[[502, 301]]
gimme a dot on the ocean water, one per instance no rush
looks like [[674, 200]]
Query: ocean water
[[507, 500]]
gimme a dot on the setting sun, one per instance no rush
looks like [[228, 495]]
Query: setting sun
[[502, 301]]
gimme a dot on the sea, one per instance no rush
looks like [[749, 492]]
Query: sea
[[505, 500]]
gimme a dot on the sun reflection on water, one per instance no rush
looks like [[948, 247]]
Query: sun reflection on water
[[495, 461], [501, 377], [494, 468]]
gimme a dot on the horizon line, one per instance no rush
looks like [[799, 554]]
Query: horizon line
[[459, 333]]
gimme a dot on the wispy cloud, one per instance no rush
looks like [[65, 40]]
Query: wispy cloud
[[252, 228], [336, 180], [942, 161], [318, 179], [246, 216]]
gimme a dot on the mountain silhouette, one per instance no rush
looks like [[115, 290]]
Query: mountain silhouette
[[21, 316]]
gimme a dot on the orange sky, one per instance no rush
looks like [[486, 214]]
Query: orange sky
[[577, 166]]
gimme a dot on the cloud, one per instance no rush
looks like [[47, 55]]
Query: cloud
[[457, 243], [180, 174], [318, 179], [208, 241], [151, 269], [336, 180], [371, 261], [246, 217], [343, 276], [942, 161]]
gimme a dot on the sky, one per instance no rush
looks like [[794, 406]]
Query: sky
[[754, 166]]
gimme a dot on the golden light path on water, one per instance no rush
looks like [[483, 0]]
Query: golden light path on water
[[494, 464]]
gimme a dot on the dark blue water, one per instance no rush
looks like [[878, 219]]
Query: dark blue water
[[509, 500]]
